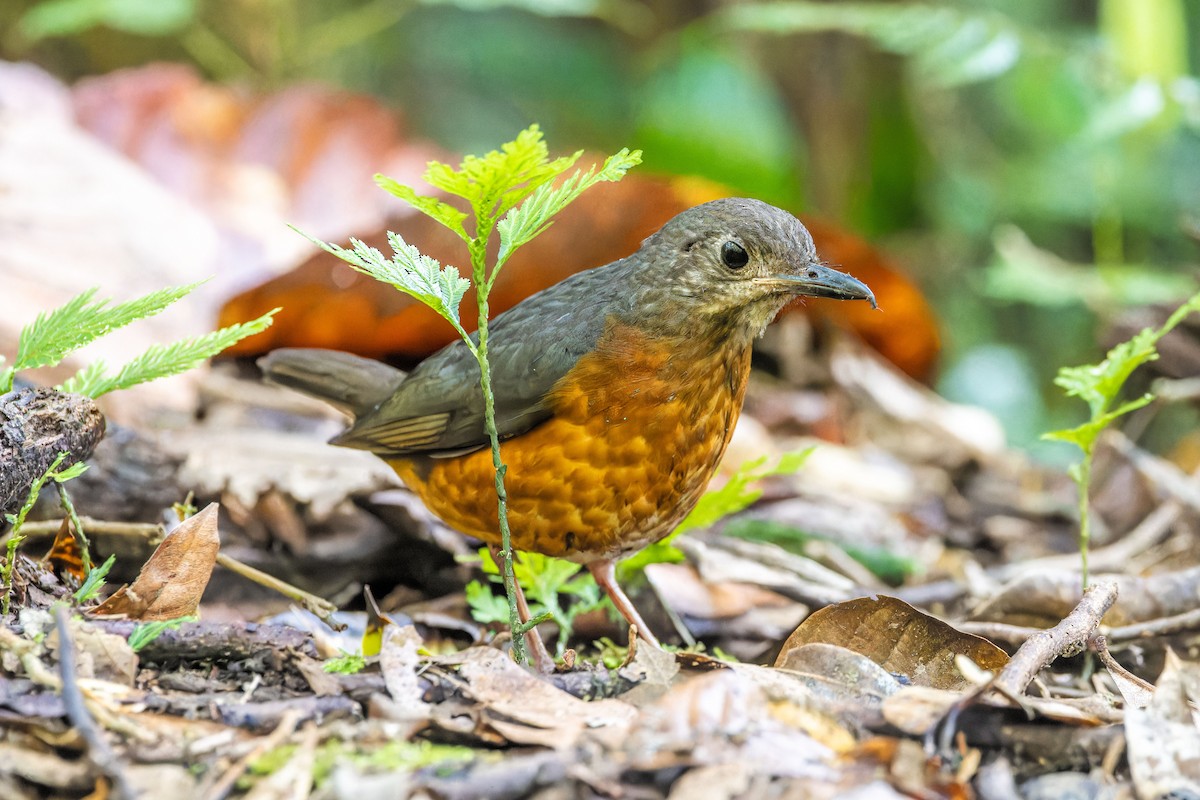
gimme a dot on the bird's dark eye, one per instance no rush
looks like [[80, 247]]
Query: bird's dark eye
[[734, 255]]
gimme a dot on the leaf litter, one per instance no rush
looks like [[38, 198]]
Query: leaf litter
[[867, 697]]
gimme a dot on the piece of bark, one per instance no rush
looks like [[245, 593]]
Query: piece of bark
[[35, 426], [133, 477], [213, 641]]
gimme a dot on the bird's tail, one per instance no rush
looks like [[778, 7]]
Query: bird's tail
[[351, 383]]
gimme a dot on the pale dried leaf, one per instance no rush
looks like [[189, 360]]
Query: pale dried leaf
[[1164, 737], [723, 718], [528, 710], [836, 675], [657, 670], [399, 660], [101, 655]]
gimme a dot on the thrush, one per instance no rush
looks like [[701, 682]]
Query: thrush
[[616, 390]]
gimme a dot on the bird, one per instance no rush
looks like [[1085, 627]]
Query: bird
[[616, 390]]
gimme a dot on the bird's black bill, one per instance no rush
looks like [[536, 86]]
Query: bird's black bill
[[817, 280]]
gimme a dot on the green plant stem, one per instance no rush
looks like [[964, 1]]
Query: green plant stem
[[1084, 480], [16, 537], [64, 499], [478, 248]]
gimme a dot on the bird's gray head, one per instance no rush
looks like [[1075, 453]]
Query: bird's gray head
[[738, 260]]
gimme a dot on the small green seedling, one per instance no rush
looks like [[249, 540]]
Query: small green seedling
[[94, 581], [1099, 385], [345, 664], [510, 191], [15, 537], [544, 580], [146, 632]]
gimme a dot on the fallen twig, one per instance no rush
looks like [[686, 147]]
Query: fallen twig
[[1067, 637], [322, 608], [214, 641], [98, 751], [998, 631], [1164, 626], [151, 532]]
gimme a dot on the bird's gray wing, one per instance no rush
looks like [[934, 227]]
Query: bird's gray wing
[[438, 409]]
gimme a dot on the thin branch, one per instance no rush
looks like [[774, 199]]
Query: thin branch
[[1067, 637]]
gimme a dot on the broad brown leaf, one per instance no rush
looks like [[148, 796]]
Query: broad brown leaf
[[173, 579], [898, 637]]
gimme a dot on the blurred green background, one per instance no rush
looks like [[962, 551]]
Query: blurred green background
[[1036, 165]]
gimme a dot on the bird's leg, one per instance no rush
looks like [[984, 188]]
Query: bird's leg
[[542, 660], [605, 573]]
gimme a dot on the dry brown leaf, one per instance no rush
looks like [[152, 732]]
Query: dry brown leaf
[[173, 579], [899, 638], [65, 557]]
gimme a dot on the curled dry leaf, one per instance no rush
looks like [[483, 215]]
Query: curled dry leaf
[[723, 718], [65, 557], [173, 579], [899, 638]]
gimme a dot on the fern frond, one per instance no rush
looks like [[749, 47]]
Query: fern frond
[[81, 320], [162, 360]]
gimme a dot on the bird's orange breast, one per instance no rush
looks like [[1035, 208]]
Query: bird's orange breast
[[638, 427]]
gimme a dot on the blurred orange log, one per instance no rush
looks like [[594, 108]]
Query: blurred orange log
[[327, 304]]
